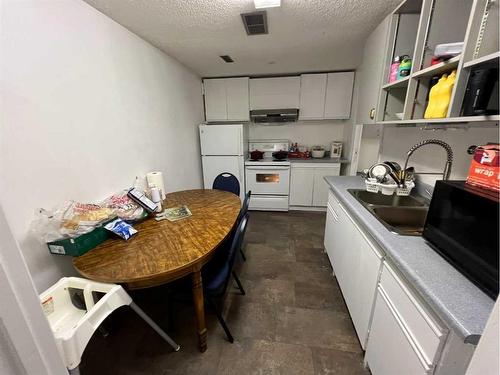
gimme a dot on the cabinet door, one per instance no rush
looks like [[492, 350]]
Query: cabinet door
[[339, 95], [369, 74], [301, 186], [389, 351], [237, 99], [359, 266], [312, 96], [331, 229], [274, 93], [215, 99], [320, 193]]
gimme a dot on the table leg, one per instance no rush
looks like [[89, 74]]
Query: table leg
[[199, 310]]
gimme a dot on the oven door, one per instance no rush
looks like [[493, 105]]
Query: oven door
[[269, 180]]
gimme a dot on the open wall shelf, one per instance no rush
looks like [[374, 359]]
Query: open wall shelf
[[403, 82], [488, 59], [417, 26], [438, 69]]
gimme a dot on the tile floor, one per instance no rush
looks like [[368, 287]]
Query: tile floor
[[293, 319]]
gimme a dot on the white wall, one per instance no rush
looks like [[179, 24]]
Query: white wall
[[308, 133], [86, 107], [431, 158], [370, 144]]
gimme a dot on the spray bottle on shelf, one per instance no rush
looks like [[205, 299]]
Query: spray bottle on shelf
[[393, 73]]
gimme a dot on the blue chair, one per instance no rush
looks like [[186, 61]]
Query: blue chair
[[227, 182], [217, 273], [243, 212]]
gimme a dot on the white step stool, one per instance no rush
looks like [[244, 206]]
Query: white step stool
[[73, 327]]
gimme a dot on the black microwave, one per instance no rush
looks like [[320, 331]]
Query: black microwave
[[462, 226]]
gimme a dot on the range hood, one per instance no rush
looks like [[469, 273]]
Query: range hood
[[273, 116]]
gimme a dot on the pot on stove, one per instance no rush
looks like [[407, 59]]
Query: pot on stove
[[280, 155], [256, 155]]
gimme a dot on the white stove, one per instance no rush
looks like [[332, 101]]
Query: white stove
[[267, 178], [267, 161]]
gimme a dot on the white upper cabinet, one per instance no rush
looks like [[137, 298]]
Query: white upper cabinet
[[326, 96], [215, 99], [226, 99], [274, 93], [237, 99], [312, 96], [339, 95]]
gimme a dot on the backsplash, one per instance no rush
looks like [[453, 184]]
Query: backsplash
[[431, 158], [308, 133]]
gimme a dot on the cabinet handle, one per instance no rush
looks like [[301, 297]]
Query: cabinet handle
[[332, 211], [372, 113]]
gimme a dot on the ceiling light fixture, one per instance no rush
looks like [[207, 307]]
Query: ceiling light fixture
[[260, 4]]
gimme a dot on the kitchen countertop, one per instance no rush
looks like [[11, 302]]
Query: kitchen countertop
[[322, 160], [461, 305]]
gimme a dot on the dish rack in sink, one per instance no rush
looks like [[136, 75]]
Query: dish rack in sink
[[387, 188]]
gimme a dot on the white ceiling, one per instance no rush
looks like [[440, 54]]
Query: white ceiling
[[304, 35]]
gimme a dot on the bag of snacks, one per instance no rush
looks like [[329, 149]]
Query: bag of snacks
[[121, 228], [124, 207]]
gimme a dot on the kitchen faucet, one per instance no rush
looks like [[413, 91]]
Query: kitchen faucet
[[449, 156]]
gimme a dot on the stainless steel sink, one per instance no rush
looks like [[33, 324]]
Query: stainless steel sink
[[365, 197], [401, 220], [404, 215]]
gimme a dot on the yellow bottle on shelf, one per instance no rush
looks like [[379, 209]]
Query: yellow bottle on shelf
[[440, 96]]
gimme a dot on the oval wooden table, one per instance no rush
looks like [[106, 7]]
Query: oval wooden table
[[163, 251]]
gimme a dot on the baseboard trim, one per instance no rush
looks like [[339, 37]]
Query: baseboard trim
[[303, 208]]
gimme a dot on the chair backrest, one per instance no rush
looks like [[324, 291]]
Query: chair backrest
[[244, 207], [223, 273], [228, 182]]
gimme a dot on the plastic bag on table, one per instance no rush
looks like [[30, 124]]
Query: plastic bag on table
[[124, 207], [72, 219]]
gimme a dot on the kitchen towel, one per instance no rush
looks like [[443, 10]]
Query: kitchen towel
[[156, 179]]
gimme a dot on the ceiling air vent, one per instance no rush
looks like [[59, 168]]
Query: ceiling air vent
[[227, 58], [255, 22]]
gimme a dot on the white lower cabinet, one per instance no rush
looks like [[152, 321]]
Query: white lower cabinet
[[404, 337], [321, 188], [356, 263], [301, 186], [389, 351], [307, 185]]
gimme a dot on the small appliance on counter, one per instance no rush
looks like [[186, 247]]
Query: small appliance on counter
[[318, 152], [462, 225], [336, 149]]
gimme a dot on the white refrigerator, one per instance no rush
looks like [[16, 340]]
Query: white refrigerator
[[224, 148]]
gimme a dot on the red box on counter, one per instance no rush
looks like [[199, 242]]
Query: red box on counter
[[484, 169]]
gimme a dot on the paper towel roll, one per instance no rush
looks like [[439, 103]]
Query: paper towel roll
[[156, 178]]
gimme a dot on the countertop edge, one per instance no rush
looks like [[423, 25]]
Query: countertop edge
[[320, 161], [469, 336]]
